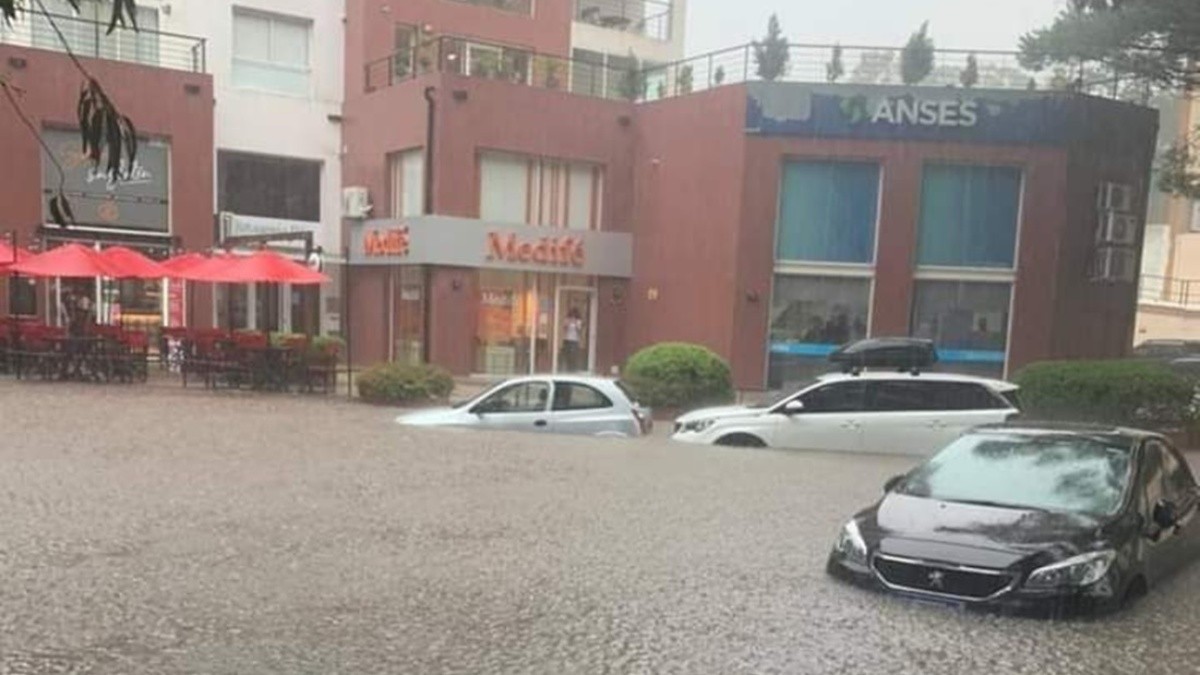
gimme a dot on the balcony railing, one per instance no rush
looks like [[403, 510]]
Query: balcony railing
[[1169, 292], [90, 39], [650, 18], [806, 64], [515, 6], [880, 65], [473, 58]]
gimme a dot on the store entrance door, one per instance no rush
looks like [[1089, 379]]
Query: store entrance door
[[574, 329]]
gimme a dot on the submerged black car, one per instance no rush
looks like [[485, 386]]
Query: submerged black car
[[1030, 519]]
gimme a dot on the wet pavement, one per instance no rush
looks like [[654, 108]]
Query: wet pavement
[[152, 530]]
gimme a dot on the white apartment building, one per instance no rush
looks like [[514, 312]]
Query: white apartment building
[[1169, 297], [277, 68], [608, 32]]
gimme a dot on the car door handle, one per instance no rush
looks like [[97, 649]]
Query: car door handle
[[852, 426], [540, 423], [937, 424]]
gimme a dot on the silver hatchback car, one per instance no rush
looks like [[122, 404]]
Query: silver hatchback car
[[566, 404]]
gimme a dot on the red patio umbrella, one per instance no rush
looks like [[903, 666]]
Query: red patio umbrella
[[260, 267], [183, 261], [216, 269], [68, 261], [132, 264]]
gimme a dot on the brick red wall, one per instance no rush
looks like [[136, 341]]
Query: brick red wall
[[159, 105], [688, 176]]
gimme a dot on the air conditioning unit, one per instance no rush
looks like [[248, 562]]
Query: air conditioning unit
[[356, 202], [1114, 264], [1115, 197], [1119, 229]]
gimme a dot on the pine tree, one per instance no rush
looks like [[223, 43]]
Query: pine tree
[[916, 60], [835, 68], [771, 54], [970, 75]]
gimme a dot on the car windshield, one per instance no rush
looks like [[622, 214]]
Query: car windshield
[[1059, 473]]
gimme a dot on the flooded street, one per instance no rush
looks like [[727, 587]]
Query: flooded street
[[155, 530]]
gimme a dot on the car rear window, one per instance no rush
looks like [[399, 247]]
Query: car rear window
[[627, 391]]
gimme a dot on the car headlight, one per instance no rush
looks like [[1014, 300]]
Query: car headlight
[[1081, 570], [850, 545], [697, 426]]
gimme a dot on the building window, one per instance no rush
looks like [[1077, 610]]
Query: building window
[[540, 191], [828, 212], [407, 171], [810, 317], [515, 6], [587, 72], [270, 187], [968, 321], [969, 216], [271, 52]]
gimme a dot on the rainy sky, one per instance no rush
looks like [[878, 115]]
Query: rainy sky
[[961, 24]]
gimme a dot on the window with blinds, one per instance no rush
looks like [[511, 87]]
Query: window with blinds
[[407, 183], [540, 191]]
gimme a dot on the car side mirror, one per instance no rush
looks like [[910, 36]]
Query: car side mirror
[[892, 483], [1165, 514], [793, 407]]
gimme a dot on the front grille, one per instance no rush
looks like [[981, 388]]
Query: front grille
[[967, 583]]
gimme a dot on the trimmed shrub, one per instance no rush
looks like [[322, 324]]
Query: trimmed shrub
[[1124, 392], [328, 344], [404, 384], [678, 375]]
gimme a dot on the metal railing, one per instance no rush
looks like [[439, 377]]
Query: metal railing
[[650, 18], [806, 64], [1169, 291], [474, 58], [90, 39], [857, 64], [515, 6]]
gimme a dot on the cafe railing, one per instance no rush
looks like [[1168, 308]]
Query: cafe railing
[[650, 18]]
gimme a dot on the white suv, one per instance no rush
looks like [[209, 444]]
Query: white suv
[[885, 412]]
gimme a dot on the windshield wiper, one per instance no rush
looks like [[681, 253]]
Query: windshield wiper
[[998, 505]]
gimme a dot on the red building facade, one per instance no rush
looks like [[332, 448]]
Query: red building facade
[[766, 221], [167, 205]]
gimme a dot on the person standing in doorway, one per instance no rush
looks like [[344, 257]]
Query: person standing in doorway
[[572, 334]]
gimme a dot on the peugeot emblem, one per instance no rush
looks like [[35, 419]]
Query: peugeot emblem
[[937, 579]]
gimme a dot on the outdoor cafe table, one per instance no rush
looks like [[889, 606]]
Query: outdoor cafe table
[[81, 357], [269, 366]]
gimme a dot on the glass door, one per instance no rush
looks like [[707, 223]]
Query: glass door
[[574, 329]]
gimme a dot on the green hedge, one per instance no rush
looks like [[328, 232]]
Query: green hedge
[[403, 384], [678, 375], [1124, 392]]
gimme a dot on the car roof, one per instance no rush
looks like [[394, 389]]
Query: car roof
[[879, 375], [1102, 432]]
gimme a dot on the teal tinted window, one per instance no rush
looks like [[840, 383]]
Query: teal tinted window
[[828, 211], [969, 216]]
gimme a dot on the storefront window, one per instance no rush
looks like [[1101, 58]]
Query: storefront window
[[134, 304], [969, 216], [828, 211], [968, 321], [22, 296], [507, 311], [810, 317]]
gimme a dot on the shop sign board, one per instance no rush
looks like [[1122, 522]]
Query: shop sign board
[[464, 242], [880, 112], [139, 200]]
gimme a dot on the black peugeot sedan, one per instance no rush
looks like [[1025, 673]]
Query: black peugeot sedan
[[1039, 519]]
